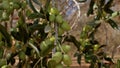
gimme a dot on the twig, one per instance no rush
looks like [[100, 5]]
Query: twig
[[37, 62]]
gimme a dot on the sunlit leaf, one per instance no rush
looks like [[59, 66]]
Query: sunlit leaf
[[47, 28], [37, 2], [31, 5], [81, 1]]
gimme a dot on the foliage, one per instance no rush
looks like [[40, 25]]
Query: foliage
[[39, 32]]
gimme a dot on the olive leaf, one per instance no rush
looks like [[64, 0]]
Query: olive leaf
[[37, 2], [118, 64], [31, 6], [36, 15], [90, 11], [6, 35], [81, 1], [47, 28], [112, 23]]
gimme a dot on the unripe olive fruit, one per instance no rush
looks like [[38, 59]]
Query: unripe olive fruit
[[66, 48], [59, 65], [3, 62], [43, 46], [51, 63], [22, 55], [58, 49], [54, 11], [28, 12], [60, 31], [5, 16], [59, 19], [52, 17], [87, 28], [52, 39], [115, 14], [67, 60], [57, 57], [65, 26], [96, 47]]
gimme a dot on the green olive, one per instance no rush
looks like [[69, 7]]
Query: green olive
[[43, 46], [51, 63], [52, 17], [60, 31], [67, 60], [5, 16], [59, 19], [66, 48], [96, 46], [57, 57], [65, 26], [54, 11], [59, 65]]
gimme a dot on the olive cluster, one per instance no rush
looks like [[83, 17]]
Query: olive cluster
[[8, 6], [57, 18]]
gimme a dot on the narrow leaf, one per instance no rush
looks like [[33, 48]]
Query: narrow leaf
[[31, 5], [79, 57], [109, 4], [6, 35], [112, 23], [35, 48], [81, 1], [37, 2], [90, 11], [47, 28], [36, 15]]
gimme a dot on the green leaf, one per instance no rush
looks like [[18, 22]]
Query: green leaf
[[102, 46], [102, 3], [79, 57], [74, 41], [36, 15], [90, 11], [6, 35], [81, 1], [112, 23], [16, 35], [31, 6], [37, 2], [109, 4], [1, 52], [107, 10], [35, 27], [118, 64], [108, 59], [92, 65], [47, 28], [47, 4]]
